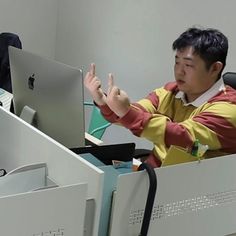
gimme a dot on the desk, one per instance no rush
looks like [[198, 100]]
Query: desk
[[5, 99]]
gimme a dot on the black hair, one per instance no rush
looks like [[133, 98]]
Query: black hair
[[210, 44]]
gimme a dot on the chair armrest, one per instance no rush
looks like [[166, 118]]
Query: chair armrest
[[92, 140], [141, 154]]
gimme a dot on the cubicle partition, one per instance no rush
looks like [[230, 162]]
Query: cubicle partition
[[197, 198], [48, 190]]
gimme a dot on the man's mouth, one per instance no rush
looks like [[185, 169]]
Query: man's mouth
[[180, 82]]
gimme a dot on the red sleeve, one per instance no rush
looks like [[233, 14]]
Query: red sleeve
[[108, 114], [135, 120]]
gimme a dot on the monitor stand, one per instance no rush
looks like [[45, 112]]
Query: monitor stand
[[29, 115]]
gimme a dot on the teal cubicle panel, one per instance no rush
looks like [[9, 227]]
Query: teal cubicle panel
[[110, 181]]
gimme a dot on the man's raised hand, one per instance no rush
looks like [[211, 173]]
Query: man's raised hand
[[117, 99], [93, 84]]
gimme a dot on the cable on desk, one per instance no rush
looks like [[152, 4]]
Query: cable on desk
[[2, 172], [150, 197]]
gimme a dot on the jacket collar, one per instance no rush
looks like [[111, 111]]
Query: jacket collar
[[211, 92]]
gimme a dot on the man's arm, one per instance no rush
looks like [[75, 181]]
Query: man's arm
[[214, 125]]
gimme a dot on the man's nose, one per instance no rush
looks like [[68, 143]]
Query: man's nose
[[179, 70]]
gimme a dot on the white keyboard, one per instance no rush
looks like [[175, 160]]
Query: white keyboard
[[5, 99]]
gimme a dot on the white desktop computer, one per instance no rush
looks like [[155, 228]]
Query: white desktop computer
[[49, 95]]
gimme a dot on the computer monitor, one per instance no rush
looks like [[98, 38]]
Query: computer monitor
[[49, 95]]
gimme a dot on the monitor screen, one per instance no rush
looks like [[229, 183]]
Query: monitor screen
[[49, 95]]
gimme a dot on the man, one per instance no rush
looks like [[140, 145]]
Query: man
[[197, 106]]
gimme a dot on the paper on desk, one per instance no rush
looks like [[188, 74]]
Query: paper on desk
[[176, 155], [23, 179], [27, 167]]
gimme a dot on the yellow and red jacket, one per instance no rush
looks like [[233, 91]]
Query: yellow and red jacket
[[163, 119]]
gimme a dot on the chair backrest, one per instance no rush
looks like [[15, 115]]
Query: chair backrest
[[6, 40], [97, 123], [230, 79]]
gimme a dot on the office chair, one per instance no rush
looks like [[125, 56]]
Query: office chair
[[230, 79], [6, 40], [97, 124]]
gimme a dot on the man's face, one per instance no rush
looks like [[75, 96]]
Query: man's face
[[191, 74]]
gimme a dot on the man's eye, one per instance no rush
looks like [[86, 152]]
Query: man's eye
[[188, 65]]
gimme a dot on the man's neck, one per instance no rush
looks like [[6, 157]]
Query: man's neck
[[192, 97]]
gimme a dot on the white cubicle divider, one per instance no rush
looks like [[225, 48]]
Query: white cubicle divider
[[44, 212], [197, 198], [69, 200]]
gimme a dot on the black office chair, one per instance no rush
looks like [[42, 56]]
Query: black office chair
[[7, 39], [230, 79]]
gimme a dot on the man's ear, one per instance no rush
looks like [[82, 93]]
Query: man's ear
[[216, 68]]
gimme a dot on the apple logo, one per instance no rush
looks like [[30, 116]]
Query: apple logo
[[31, 82]]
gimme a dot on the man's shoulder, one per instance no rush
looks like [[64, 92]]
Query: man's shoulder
[[169, 89], [171, 86], [228, 95]]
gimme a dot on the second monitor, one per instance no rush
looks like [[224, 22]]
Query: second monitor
[[49, 94]]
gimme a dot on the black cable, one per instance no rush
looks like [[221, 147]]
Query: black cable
[[150, 197], [2, 172]]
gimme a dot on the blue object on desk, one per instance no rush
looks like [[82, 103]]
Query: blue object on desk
[[110, 182], [1, 91]]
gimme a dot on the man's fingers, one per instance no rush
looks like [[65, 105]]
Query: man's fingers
[[92, 69], [115, 91], [123, 93], [90, 74], [110, 83], [110, 80], [97, 83], [89, 78]]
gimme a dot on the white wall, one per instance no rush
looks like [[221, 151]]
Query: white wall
[[34, 21], [133, 38]]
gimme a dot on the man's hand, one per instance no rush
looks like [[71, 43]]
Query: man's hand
[[117, 99], [93, 84]]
